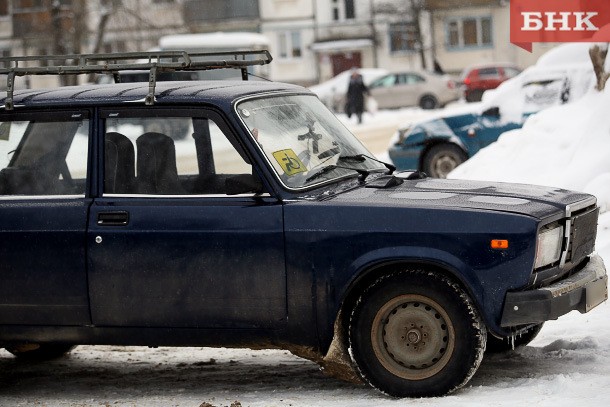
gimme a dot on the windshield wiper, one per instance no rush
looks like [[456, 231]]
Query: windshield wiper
[[361, 157], [361, 177]]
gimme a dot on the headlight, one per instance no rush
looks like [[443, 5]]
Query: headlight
[[548, 249], [401, 134]]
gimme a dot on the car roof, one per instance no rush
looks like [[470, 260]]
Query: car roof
[[165, 92], [490, 65]]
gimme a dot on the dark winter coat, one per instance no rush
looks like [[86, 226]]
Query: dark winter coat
[[355, 94]]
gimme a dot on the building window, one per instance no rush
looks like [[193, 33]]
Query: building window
[[403, 37], [3, 8], [343, 10], [469, 32], [28, 5], [290, 45]]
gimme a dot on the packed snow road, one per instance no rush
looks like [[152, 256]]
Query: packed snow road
[[569, 364]]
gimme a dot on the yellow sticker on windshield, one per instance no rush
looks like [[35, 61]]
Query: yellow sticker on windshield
[[289, 162]]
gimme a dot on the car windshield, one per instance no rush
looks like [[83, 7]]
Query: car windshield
[[304, 142]]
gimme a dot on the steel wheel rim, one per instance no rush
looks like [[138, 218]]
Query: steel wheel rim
[[444, 164], [413, 337]]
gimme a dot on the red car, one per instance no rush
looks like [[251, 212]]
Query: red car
[[477, 79]]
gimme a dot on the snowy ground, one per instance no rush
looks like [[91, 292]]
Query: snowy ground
[[567, 365]]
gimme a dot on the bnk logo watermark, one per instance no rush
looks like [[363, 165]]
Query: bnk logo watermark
[[559, 21]]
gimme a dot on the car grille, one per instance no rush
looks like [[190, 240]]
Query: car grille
[[583, 231]]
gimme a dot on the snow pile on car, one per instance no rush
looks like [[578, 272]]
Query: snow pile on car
[[562, 75]]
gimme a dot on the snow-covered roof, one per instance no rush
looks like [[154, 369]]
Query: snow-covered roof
[[216, 40], [341, 44]]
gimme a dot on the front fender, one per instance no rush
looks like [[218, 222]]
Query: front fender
[[369, 265], [365, 269]]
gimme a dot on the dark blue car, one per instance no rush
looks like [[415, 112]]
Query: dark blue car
[[268, 226], [438, 146]]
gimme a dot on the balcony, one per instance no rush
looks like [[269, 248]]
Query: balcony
[[456, 4]]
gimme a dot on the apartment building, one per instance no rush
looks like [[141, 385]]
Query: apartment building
[[314, 40], [311, 40], [464, 33]]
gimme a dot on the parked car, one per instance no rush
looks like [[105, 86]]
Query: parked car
[[477, 79], [414, 88], [332, 92], [271, 226], [439, 144]]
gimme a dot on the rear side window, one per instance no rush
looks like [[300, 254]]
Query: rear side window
[[44, 157], [384, 82], [412, 79], [488, 72]]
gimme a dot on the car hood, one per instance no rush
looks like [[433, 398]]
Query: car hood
[[537, 201]]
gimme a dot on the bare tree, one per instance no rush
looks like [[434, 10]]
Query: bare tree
[[598, 58], [107, 8], [412, 10], [416, 10], [67, 28]]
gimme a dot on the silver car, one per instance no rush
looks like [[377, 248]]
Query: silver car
[[413, 88]]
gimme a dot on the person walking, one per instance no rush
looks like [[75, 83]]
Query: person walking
[[356, 92]]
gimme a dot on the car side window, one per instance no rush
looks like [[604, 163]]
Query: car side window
[[488, 73], [44, 157], [384, 82], [412, 79], [172, 156]]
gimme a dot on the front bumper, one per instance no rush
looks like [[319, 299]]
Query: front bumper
[[582, 292]]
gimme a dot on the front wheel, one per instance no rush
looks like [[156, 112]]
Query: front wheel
[[442, 159], [40, 352], [416, 334]]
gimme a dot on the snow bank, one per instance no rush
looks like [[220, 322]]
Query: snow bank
[[563, 146]]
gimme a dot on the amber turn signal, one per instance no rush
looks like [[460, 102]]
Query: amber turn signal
[[499, 244]]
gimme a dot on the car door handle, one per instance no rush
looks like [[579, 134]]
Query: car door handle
[[113, 218]]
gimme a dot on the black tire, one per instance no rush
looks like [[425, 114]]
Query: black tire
[[428, 102], [40, 352], [416, 334], [497, 345], [441, 159]]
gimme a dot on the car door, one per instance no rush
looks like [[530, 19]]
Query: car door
[[172, 244], [412, 87], [43, 217], [383, 91]]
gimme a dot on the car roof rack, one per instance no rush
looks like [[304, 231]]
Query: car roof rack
[[152, 61]]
